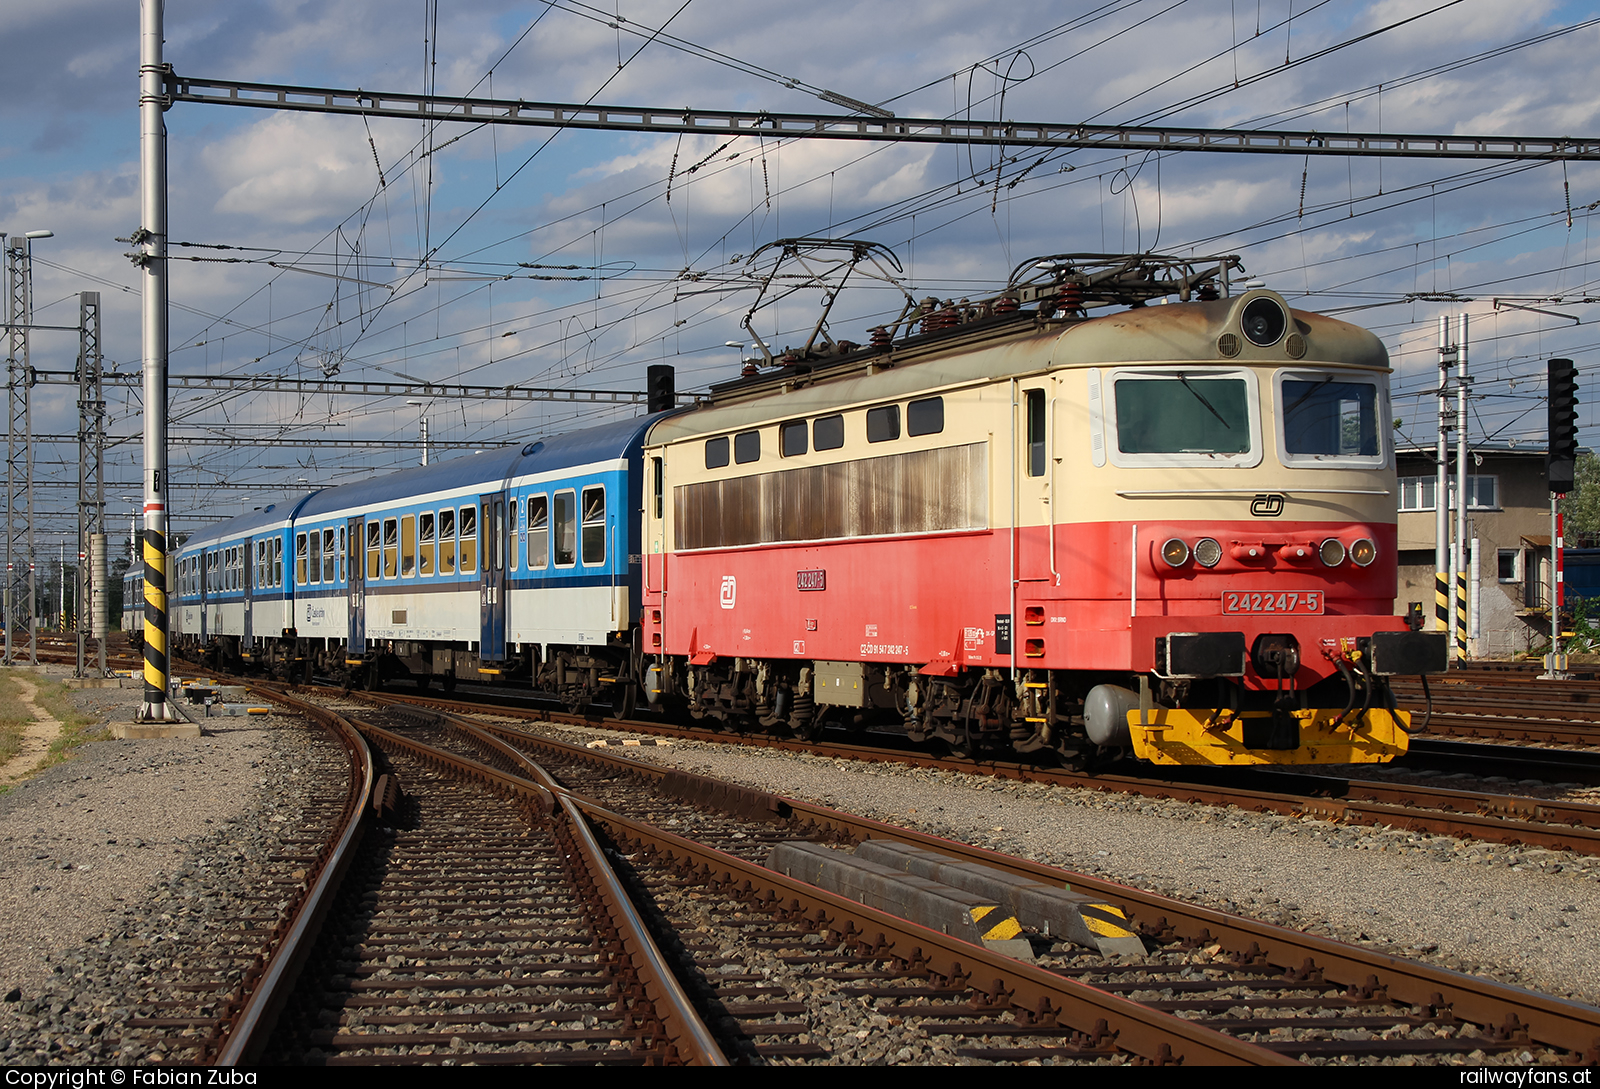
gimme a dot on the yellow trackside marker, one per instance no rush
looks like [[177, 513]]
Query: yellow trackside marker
[[1098, 918], [1004, 928], [1441, 600]]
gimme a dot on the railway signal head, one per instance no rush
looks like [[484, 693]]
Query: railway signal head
[[1561, 462]]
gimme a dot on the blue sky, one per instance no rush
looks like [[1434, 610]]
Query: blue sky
[[303, 191]]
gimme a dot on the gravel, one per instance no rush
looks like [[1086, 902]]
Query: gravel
[[117, 858]]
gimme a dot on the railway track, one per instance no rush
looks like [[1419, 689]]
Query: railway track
[[1493, 816], [1282, 991]]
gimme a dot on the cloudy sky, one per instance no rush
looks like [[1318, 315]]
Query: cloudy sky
[[431, 233]]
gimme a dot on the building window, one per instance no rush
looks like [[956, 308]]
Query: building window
[[1510, 565], [1417, 492]]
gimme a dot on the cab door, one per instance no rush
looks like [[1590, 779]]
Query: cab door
[[492, 577], [356, 569]]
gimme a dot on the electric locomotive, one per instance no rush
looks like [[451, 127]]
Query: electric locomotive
[[1012, 524]]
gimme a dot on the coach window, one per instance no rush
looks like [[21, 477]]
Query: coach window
[[258, 568], [566, 528], [516, 538], [658, 483], [374, 550], [447, 542], [425, 543], [277, 562], [1034, 399], [539, 531], [716, 452], [342, 572], [314, 557], [408, 545], [883, 424], [747, 447], [925, 417], [330, 555], [391, 548], [827, 433], [468, 529], [495, 554], [792, 438], [594, 525], [300, 558]]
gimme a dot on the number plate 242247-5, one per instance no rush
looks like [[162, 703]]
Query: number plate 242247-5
[[1262, 601]]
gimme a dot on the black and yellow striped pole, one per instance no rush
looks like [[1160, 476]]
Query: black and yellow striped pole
[[1441, 601], [1461, 614], [156, 665]]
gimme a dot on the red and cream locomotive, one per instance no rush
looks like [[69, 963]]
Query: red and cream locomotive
[[1031, 522]]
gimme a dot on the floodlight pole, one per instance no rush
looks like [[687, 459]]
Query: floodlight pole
[[152, 258]]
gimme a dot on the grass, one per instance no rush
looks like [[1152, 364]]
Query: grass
[[54, 698]]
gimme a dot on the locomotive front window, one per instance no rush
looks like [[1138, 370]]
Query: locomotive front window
[[1325, 418], [594, 523], [1182, 415], [566, 529], [469, 539], [539, 530]]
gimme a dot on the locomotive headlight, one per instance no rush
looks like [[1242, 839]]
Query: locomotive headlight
[[1263, 322], [1207, 553], [1363, 552], [1175, 552], [1331, 552]]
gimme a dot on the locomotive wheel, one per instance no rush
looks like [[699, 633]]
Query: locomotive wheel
[[423, 680], [448, 682]]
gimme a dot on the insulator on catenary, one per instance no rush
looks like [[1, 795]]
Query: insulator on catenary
[[1005, 305], [880, 337]]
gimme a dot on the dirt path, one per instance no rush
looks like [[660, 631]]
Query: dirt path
[[36, 738]]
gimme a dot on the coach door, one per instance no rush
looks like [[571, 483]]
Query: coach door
[[246, 575], [356, 570], [492, 581]]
